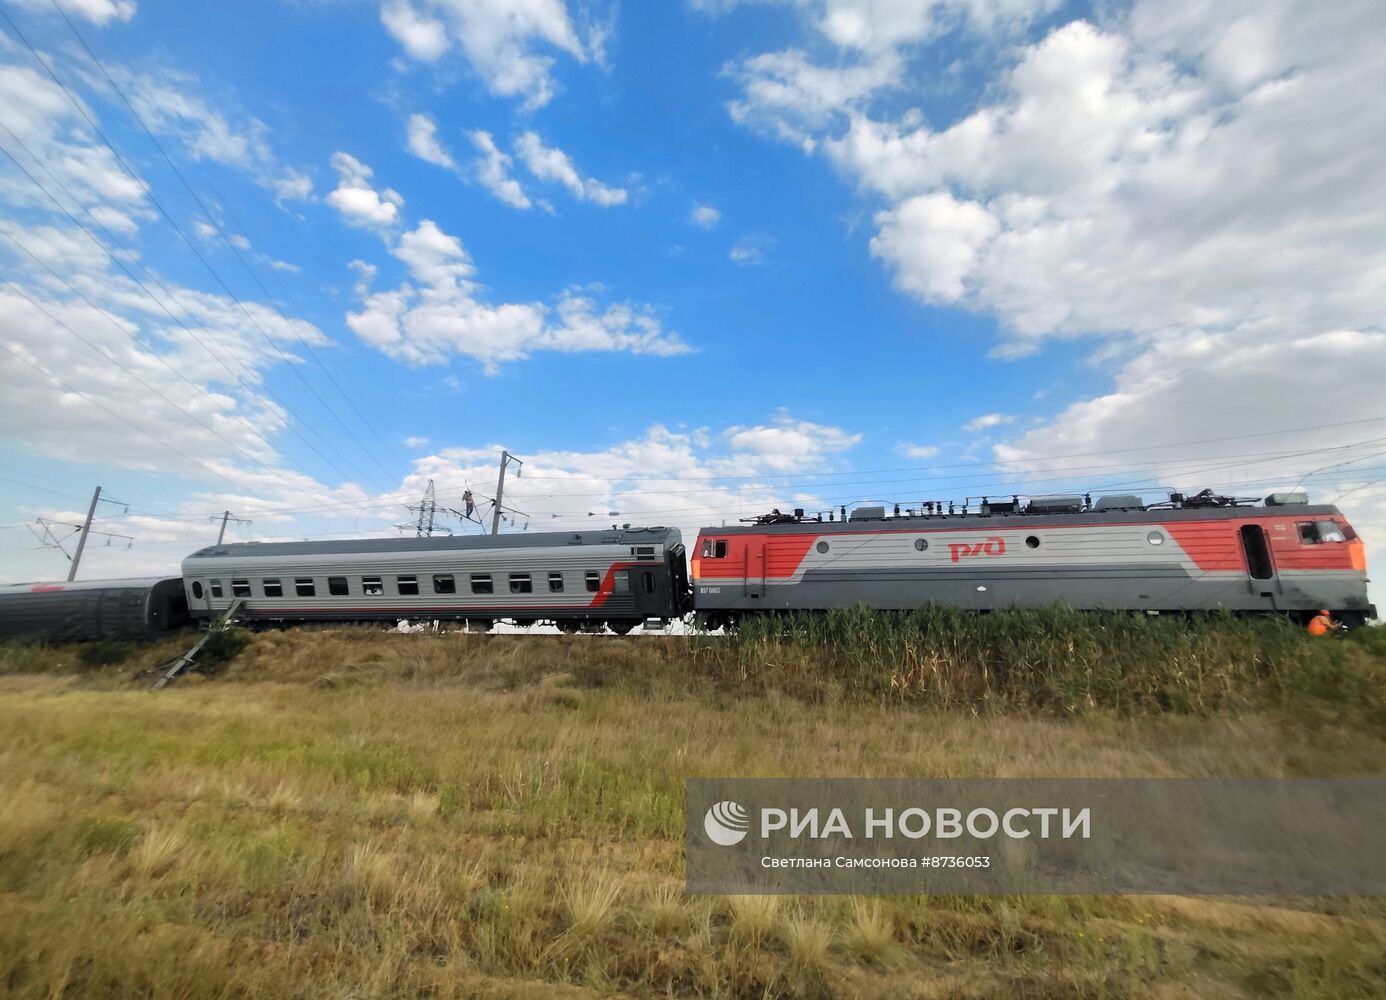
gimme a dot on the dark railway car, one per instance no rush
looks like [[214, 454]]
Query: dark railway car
[[1189, 554], [618, 577], [92, 609]]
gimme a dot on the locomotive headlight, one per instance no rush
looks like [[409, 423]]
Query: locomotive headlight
[[1155, 538]]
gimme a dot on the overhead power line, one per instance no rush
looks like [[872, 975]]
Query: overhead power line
[[218, 357], [217, 225], [81, 110], [135, 427]]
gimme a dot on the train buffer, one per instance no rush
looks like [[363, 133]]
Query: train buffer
[[186, 660]]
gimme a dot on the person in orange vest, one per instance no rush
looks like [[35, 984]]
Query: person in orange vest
[[1323, 623]]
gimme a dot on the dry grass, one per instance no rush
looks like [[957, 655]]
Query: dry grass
[[358, 814]]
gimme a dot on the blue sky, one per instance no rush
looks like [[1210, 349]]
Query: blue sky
[[688, 260]]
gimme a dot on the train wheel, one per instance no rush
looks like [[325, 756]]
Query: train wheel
[[621, 627], [568, 627]]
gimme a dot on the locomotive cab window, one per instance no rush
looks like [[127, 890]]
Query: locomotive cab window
[[555, 583], [594, 582], [481, 583], [303, 586], [372, 586], [714, 548], [443, 583], [216, 588], [408, 585], [240, 588], [337, 586], [272, 588], [1320, 532], [520, 583]]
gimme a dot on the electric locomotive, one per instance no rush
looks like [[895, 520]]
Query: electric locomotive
[[1198, 553]]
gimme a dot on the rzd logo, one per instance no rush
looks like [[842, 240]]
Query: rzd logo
[[993, 546]]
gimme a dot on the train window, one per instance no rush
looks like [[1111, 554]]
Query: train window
[[197, 589], [303, 586], [643, 552], [408, 585], [481, 583], [337, 586], [272, 588], [1032, 542], [714, 548], [372, 586], [1330, 532], [443, 583], [621, 582], [555, 583], [647, 582], [216, 588], [240, 588], [594, 582], [520, 583], [1309, 532]]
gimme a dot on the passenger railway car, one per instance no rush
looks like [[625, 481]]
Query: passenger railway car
[[617, 577], [92, 609], [1190, 554]]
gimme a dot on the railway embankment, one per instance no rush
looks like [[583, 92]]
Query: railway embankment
[[353, 812]]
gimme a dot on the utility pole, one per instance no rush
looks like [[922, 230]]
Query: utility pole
[[500, 489], [82, 538], [226, 515]]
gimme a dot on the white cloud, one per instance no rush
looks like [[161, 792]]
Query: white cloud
[[423, 37], [987, 421], [555, 166], [939, 238], [705, 216], [786, 444], [358, 202], [423, 142], [99, 12], [507, 42], [918, 451], [292, 186], [416, 442], [795, 94], [493, 171], [39, 114], [789, 95], [85, 346], [752, 249], [443, 316], [212, 126]]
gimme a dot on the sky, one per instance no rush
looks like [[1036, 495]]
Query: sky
[[688, 261]]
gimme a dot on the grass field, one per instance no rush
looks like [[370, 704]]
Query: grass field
[[364, 814]]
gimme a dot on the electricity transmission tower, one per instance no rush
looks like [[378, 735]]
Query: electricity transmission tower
[[425, 511]]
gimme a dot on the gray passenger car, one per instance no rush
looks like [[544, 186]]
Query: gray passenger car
[[619, 577]]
